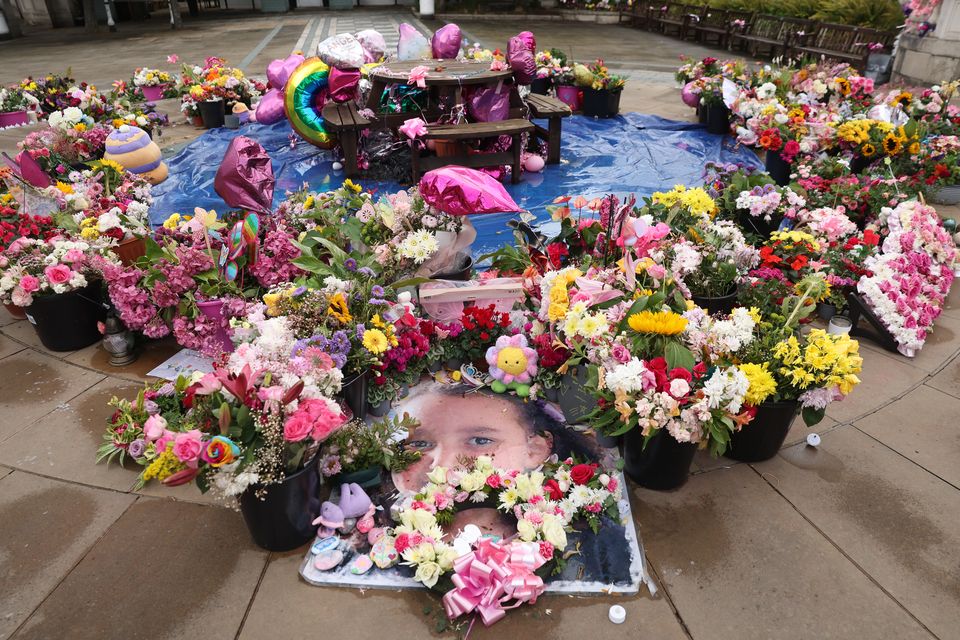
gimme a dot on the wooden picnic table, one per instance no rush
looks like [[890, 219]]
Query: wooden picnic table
[[444, 76]]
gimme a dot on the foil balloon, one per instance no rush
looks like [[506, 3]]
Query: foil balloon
[[486, 104], [28, 169], [270, 108], [305, 95], [342, 51], [689, 95], [445, 44], [278, 71], [373, 43], [245, 177], [528, 40], [412, 45], [521, 60], [342, 85], [459, 191]]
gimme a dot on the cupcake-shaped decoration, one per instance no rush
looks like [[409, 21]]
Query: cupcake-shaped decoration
[[241, 111], [133, 149]]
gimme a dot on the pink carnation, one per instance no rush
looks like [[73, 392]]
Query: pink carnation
[[29, 284]]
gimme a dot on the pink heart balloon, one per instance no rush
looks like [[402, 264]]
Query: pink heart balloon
[[529, 40], [446, 42], [342, 85], [521, 60], [270, 109], [486, 104], [460, 191], [278, 71]]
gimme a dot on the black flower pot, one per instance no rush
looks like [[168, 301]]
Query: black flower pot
[[68, 321], [595, 103], [859, 164], [757, 224], [719, 304], [613, 102], [778, 168], [718, 118], [575, 399], [701, 114], [541, 86], [763, 436], [826, 310], [282, 520], [366, 478], [662, 465], [355, 393], [461, 268], [212, 113]]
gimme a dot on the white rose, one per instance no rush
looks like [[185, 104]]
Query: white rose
[[553, 532], [472, 481], [528, 533], [438, 475], [428, 573], [485, 464], [446, 557], [679, 388], [423, 519]]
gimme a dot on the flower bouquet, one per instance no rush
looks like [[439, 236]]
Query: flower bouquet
[[14, 105], [357, 451], [152, 83]]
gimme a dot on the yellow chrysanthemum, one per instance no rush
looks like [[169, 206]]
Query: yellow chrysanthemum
[[665, 323], [762, 383], [90, 233], [172, 222], [375, 341]]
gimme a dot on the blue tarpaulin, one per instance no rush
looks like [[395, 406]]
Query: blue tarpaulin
[[632, 153]]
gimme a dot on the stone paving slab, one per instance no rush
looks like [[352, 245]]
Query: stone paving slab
[[740, 562], [941, 346], [9, 347], [150, 354], [929, 437], [33, 385], [948, 379], [892, 518], [164, 570], [287, 607], [63, 443], [46, 527], [884, 378]]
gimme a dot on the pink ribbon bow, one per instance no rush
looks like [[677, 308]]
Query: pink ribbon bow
[[491, 576], [418, 76], [413, 128]]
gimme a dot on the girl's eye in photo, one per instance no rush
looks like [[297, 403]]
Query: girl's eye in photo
[[480, 441], [419, 444]]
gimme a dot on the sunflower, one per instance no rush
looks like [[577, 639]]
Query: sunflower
[[843, 86], [338, 308], [914, 148], [903, 100], [892, 145], [868, 150], [665, 323]]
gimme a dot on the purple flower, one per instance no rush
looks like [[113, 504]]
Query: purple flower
[[350, 264], [376, 291], [136, 448], [367, 271]]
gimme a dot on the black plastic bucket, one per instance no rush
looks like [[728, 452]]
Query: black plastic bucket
[[719, 304], [778, 168], [663, 465], [763, 436], [282, 520], [212, 113], [68, 321]]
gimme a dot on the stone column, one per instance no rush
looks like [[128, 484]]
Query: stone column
[[935, 57]]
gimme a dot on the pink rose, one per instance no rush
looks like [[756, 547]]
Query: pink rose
[[297, 427], [187, 447], [73, 255], [58, 273], [165, 438], [29, 284], [154, 427]]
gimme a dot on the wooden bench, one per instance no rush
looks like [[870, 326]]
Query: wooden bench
[[773, 34], [554, 111], [345, 121], [711, 25], [842, 43], [638, 15], [677, 18], [474, 131]]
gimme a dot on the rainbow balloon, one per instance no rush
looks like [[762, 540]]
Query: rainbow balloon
[[304, 97]]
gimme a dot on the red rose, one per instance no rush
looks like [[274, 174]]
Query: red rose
[[680, 372], [553, 489], [581, 474]]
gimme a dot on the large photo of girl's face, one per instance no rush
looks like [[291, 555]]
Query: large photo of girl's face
[[458, 423]]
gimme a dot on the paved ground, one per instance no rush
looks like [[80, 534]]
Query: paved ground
[[856, 539]]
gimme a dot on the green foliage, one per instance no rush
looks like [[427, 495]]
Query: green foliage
[[876, 14]]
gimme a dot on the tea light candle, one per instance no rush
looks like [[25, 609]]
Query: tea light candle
[[839, 325]]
